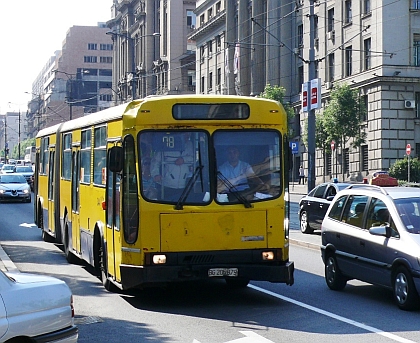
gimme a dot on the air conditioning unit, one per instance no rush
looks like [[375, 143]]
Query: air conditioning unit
[[409, 104], [331, 35], [328, 85]]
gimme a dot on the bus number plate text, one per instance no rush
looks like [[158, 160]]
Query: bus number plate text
[[223, 272]]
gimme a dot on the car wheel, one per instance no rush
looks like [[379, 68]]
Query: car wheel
[[304, 225], [405, 293], [335, 280]]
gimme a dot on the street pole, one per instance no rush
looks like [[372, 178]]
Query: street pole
[[311, 112], [19, 136]]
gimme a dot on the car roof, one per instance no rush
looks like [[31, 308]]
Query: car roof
[[393, 192]]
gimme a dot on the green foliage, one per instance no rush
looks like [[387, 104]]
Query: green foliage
[[399, 169], [23, 145], [277, 93], [342, 117]]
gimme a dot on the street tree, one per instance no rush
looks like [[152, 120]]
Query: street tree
[[399, 169], [342, 118]]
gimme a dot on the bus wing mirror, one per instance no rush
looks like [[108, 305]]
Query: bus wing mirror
[[115, 159]]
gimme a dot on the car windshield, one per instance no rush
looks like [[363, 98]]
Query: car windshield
[[8, 167], [23, 170], [409, 211], [14, 178]]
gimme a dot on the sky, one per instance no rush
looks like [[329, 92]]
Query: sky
[[30, 32]]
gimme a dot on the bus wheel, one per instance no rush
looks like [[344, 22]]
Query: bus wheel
[[109, 286], [70, 257], [237, 283]]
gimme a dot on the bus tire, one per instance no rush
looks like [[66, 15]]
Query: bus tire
[[106, 282], [70, 257]]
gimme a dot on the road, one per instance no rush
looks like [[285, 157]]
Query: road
[[210, 312]]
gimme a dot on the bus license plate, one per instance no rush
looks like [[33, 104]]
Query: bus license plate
[[223, 272]]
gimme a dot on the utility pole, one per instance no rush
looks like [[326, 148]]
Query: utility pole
[[311, 112], [19, 137]]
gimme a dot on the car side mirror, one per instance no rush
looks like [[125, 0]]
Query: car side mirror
[[383, 230], [330, 197]]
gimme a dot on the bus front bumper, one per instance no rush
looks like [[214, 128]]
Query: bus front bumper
[[143, 276]]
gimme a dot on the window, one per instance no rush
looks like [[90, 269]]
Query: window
[[365, 103], [106, 47], [130, 196], [299, 42], [348, 13], [300, 75], [210, 48], [218, 41], [366, 7], [316, 26], [365, 157], [44, 154], [203, 80], [415, 4], [378, 215], [191, 19], [331, 20], [355, 207], [337, 208], [416, 50], [92, 46], [366, 53], [417, 98], [105, 97], [218, 6], [85, 156], [66, 158], [210, 81], [219, 77], [202, 20], [202, 53], [209, 13], [105, 59], [348, 59], [331, 67], [346, 162], [99, 156], [328, 169], [90, 59]]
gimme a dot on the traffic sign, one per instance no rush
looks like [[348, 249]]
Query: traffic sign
[[408, 149], [332, 145]]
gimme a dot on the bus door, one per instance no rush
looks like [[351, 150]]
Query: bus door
[[112, 234], [75, 200], [50, 203]]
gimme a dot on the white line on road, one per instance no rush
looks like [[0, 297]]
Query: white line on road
[[334, 316]]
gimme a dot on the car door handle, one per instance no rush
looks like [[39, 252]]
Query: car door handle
[[362, 243]]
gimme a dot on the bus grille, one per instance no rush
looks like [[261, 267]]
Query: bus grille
[[197, 259]]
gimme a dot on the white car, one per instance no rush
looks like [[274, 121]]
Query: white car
[[35, 308]]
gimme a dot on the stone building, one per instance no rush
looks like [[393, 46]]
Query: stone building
[[76, 81], [153, 54], [372, 46]]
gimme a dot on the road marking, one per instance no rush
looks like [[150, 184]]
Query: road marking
[[27, 224], [251, 337], [334, 316]]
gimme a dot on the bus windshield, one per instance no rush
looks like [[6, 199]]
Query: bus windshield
[[175, 166]]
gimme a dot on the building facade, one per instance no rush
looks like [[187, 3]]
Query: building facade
[[153, 54], [75, 81], [372, 46]]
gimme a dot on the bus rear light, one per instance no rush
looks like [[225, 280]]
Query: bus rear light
[[159, 259], [103, 205], [267, 255]]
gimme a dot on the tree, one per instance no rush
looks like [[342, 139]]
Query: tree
[[399, 169], [277, 93], [23, 145], [342, 118]]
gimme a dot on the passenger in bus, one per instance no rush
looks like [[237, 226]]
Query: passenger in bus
[[235, 171], [171, 169], [149, 185]]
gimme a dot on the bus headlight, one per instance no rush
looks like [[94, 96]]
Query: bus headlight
[[267, 255], [159, 259]]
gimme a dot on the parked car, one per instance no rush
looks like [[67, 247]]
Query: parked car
[[28, 173], [13, 186], [35, 308], [314, 205], [7, 168], [372, 234]]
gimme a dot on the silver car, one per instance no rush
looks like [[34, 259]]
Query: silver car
[[372, 234], [14, 187]]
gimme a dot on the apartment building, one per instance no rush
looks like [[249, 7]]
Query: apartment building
[[372, 46], [76, 81], [153, 54]]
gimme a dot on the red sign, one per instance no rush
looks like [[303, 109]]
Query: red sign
[[408, 149], [314, 96], [305, 99], [332, 145]]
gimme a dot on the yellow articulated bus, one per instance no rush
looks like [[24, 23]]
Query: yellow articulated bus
[[168, 189]]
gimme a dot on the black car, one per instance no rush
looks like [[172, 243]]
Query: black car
[[314, 205]]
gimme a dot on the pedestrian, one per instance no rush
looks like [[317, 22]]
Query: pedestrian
[[301, 175]]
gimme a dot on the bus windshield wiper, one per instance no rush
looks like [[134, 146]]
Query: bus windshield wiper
[[188, 187], [232, 189]]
